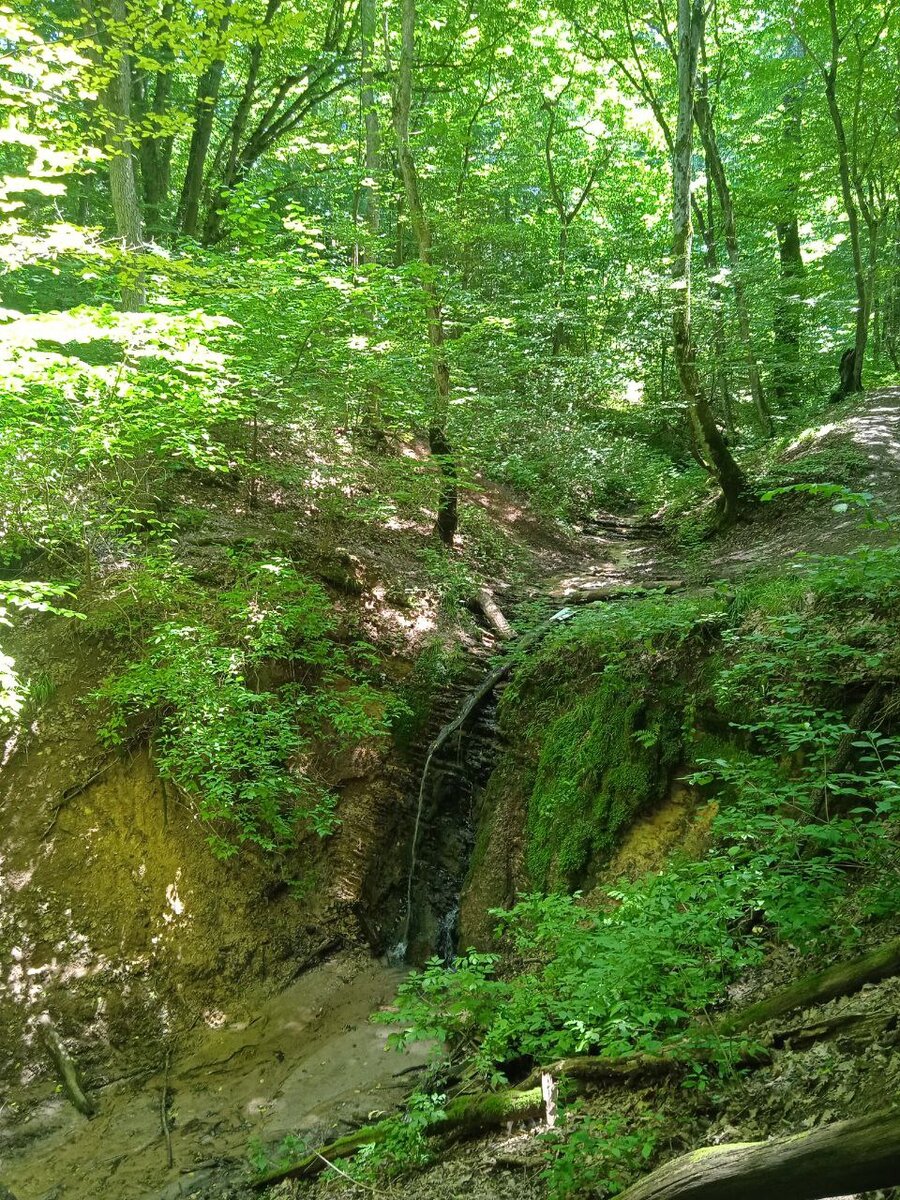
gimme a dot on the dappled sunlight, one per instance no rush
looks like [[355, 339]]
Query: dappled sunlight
[[346, 353]]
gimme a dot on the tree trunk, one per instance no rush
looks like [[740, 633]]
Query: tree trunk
[[709, 440], [720, 382], [371, 205], [204, 112], [890, 317], [439, 444], [703, 117], [156, 151], [844, 1157], [829, 77], [788, 310], [122, 178], [840, 980]]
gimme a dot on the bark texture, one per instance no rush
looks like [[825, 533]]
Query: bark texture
[[704, 118], [841, 980], [122, 176], [844, 1157], [709, 441]]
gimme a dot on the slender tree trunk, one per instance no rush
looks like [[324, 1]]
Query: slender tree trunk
[[710, 443], [156, 151], [371, 205], [703, 117], [439, 443], [788, 309], [720, 383], [873, 225], [204, 113], [122, 176], [829, 76], [890, 309]]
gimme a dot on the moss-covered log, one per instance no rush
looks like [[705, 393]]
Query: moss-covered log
[[837, 1159], [841, 980], [466, 1116], [312, 1164], [639, 1067]]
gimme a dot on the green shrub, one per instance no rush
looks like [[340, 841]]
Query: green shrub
[[238, 750], [596, 1157]]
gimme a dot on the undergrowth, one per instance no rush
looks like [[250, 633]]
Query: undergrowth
[[238, 694], [804, 818]]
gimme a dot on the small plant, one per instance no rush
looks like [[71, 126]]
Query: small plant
[[288, 1150], [403, 1142], [596, 1157]]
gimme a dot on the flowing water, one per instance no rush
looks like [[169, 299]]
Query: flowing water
[[473, 764]]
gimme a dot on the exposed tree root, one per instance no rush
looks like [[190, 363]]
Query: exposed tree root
[[844, 1157], [68, 1072]]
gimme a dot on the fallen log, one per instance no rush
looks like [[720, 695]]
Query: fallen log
[[314, 1163], [464, 1117], [484, 601], [595, 593], [589, 1069], [844, 1157], [868, 1025], [841, 980]]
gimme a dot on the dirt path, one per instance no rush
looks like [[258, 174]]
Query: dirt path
[[307, 1062], [777, 533]]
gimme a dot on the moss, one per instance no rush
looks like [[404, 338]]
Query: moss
[[707, 744], [603, 760]]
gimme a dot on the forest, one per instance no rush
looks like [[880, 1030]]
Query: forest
[[449, 599]]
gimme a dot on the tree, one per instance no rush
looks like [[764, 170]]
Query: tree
[[703, 115], [709, 441], [438, 441], [204, 111], [857, 44], [111, 31]]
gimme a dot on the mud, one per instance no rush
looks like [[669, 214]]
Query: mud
[[307, 1062]]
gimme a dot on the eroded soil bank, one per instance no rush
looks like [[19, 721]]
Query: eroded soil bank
[[213, 1007]]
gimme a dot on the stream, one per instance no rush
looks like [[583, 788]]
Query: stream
[[432, 904]]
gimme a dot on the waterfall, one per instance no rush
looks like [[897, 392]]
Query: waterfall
[[469, 705]]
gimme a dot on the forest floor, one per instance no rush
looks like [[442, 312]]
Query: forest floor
[[307, 1061]]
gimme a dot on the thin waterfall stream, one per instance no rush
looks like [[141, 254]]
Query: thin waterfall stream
[[467, 708]]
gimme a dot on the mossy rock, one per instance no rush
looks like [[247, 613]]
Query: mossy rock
[[603, 760]]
